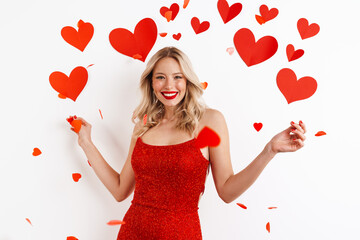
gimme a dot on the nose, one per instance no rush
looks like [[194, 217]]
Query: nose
[[169, 83]]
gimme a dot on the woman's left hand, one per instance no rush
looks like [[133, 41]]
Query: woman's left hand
[[287, 142]]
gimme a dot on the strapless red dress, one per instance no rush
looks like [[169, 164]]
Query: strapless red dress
[[169, 181]]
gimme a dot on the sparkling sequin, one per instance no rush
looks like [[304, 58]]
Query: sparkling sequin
[[169, 181]]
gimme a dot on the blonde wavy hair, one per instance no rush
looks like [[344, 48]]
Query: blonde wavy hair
[[188, 112]]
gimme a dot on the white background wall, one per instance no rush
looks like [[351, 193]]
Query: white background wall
[[315, 189]]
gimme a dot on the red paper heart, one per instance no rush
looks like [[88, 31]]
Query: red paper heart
[[174, 8], [293, 89], [260, 19], [36, 152], [306, 30], [292, 54], [76, 124], [70, 86], [258, 126], [141, 42], [207, 137], [227, 13], [177, 36], [267, 14], [204, 85], [253, 52], [199, 27], [76, 176], [78, 39]]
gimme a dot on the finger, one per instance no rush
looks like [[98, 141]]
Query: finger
[[297, 126], [299, 134], [302, 125]]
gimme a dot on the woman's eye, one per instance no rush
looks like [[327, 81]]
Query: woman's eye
[[178, 77], [159, 77]]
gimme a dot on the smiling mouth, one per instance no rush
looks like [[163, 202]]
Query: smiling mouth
[[169, 95]]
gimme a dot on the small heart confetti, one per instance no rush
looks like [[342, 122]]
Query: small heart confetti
[[162, 34], [36, 152], [204, 85], [258, 126], [230, 50], [177, 36], [76, 176]]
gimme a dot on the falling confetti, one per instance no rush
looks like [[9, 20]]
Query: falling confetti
[[28, 220], [71, 238], [36, 152], [204, 85], [145, 119], [241, 205], [90, 65], [162, 34], [76, 176], [177, 36], [258, 126], [268, 227], [101, 114], [320, 133], [115, 222], [272, 207], [186, 2], [230, 50]]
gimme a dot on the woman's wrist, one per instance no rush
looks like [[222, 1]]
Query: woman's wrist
[[269, 150], [85, 144]]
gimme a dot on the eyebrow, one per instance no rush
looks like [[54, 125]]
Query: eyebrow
[[165, 74]]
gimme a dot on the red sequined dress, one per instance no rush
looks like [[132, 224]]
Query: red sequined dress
[[169, 181]]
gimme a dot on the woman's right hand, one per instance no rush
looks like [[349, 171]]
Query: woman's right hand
[[84, 135]]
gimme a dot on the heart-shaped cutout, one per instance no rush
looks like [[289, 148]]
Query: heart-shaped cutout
[[292, 54], [76, 176], [140, 42], [207, 137], [71, 86], [177, 36], [306, 30], [228, 13], [174, 9], [254, 52], [258, 126], [36, 152], [293, 89], [199, 27], [78, 39]]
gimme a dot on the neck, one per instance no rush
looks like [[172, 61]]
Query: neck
[[169, 113]]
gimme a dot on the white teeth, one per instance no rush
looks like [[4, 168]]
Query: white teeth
[[169, 95]]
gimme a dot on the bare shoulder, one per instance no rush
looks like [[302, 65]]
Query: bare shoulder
[[212, 118]]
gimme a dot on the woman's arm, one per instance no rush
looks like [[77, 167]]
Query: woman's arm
[[120, 185], [229, 185]]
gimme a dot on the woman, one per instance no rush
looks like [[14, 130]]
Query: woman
[[164, 165]]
